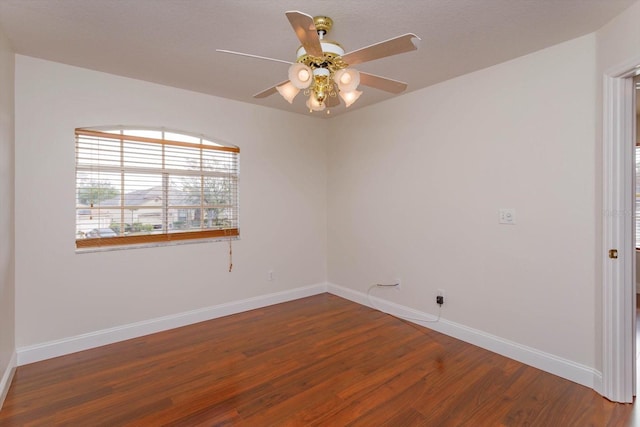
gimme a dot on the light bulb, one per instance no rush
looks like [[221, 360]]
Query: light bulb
[[347, 79], [300, 75], [303, 75]]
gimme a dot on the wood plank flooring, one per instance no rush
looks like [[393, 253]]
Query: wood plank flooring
[[317, 361]]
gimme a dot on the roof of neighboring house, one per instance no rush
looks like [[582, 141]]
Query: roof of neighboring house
[[137, 197], [149, 197]]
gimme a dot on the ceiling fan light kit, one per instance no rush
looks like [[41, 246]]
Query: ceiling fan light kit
[[322, 69], [347, 79], [300, 75], [288, 91], [313, 104], [350, 97]]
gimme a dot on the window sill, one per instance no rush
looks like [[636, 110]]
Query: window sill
[[110, 248]]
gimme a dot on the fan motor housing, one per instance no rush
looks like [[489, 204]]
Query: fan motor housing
[[331, 59], [323, 23]]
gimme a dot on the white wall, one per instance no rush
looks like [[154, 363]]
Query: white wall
[[415, 185], [61, 294], [7, 283]]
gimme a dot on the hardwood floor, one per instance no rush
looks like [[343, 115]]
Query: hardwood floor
[[316, 361]]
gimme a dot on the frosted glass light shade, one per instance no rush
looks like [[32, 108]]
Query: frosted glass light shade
[[314, 105], [350, 97], [300, 75], [288, 91], [347, 79]]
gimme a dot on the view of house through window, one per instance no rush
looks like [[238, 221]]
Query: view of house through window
[[149, 186]]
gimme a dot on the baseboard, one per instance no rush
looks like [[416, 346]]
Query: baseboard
[[48, 350], [5, 382], [561, 367], [547, 362]]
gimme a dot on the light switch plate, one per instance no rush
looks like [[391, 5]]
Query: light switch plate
[[507, 216]]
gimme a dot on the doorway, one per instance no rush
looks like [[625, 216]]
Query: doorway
[[636, 275], [618, 238]]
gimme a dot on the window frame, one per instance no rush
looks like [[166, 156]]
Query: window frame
[[158, 169]]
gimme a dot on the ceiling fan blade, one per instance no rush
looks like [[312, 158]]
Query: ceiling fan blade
[[253, 56], [306, 32], [269, 91], [383, 49], [382, 83], [332, 101]]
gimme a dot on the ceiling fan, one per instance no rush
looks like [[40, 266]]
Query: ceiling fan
[[322, 69]]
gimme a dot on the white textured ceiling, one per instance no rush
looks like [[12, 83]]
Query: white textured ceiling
[[173, 42]]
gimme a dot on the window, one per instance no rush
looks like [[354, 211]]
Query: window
[[136, 187]]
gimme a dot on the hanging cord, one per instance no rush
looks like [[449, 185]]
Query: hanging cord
[[397, 315], [226, 231], [230, 253]]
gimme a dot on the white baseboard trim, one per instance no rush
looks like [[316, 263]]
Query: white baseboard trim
[[561, 367], [547, 362], [48, 350], [5, 382]]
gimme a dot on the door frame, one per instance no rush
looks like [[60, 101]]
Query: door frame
[[618, 281]]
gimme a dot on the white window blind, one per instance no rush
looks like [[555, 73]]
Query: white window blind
[[150, 186]]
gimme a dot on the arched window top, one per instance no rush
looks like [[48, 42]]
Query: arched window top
[[160, 134]]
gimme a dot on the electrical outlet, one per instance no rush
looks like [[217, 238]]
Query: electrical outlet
[[270, 275], [440, 297], [399, 282]]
